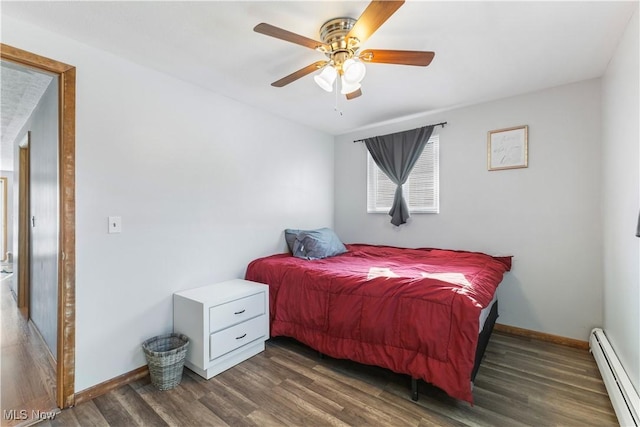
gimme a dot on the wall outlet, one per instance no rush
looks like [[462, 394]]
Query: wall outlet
[[115, 224]]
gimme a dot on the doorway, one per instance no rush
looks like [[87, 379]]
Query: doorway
[[65, 360]]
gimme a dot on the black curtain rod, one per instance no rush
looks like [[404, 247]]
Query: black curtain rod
[[437, 124]]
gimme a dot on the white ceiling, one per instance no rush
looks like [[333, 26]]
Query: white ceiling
[[484, 50], [20, 92]]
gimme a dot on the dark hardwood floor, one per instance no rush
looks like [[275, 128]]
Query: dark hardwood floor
[[28, 376], [521, 382]]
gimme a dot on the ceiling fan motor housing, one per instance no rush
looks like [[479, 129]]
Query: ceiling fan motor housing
[[334, 33]]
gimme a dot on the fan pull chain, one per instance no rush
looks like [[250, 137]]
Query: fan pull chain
[[335, 108]]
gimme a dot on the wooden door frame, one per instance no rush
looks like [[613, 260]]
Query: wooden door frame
[[24, 231], [5, 221], [65, 363]]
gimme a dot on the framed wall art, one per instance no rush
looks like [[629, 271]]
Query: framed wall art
[[508, 148]]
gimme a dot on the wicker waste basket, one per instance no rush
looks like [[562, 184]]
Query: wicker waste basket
[[165, 356]]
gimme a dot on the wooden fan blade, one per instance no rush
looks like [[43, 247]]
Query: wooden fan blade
[[300, 73], [372, 18], [402, 57], [354, 94], [288, 36]]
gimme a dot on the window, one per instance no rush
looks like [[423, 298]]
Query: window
[[421, 191]]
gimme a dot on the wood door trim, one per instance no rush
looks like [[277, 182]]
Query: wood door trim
[[5, 222], [65, 372], [24, 260]]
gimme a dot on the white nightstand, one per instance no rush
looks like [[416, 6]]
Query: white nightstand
[[226, 323]]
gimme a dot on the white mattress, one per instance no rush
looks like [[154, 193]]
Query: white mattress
[[485, 312]]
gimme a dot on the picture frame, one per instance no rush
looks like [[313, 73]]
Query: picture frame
[[508, 148]]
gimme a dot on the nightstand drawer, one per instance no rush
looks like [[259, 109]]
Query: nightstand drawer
[[224, 315], [229, 339]]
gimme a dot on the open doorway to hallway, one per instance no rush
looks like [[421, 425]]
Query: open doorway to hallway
[[50, 237], [30, 142]]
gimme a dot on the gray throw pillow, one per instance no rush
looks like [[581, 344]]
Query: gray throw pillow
[[290, 237], [317, 244]]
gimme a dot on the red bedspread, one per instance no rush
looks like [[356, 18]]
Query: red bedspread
[[414, 311]]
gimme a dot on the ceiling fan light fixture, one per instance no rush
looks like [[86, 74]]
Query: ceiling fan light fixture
[[326, 78], [347, 87], [353, 70]]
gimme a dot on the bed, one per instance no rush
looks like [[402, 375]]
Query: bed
[[427, 313]]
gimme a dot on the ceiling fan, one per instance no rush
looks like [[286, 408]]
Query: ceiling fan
[[341, 41]]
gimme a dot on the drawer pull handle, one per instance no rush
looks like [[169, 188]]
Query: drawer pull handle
[[240, 337], [240, 312]]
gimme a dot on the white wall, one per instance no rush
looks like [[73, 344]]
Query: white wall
[[547, 216], [621, 201], [204, 184]]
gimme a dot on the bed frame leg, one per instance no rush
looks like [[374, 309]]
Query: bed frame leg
[[414, 389]]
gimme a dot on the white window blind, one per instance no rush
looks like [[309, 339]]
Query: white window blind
[[421, 191]]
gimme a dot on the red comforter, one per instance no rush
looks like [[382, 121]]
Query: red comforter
[[414, 311]]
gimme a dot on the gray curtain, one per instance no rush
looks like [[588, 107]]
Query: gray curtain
[[396, 154]]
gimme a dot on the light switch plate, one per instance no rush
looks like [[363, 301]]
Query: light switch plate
[[115, 224]]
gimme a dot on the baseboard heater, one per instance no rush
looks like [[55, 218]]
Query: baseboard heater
[[623, 395]]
